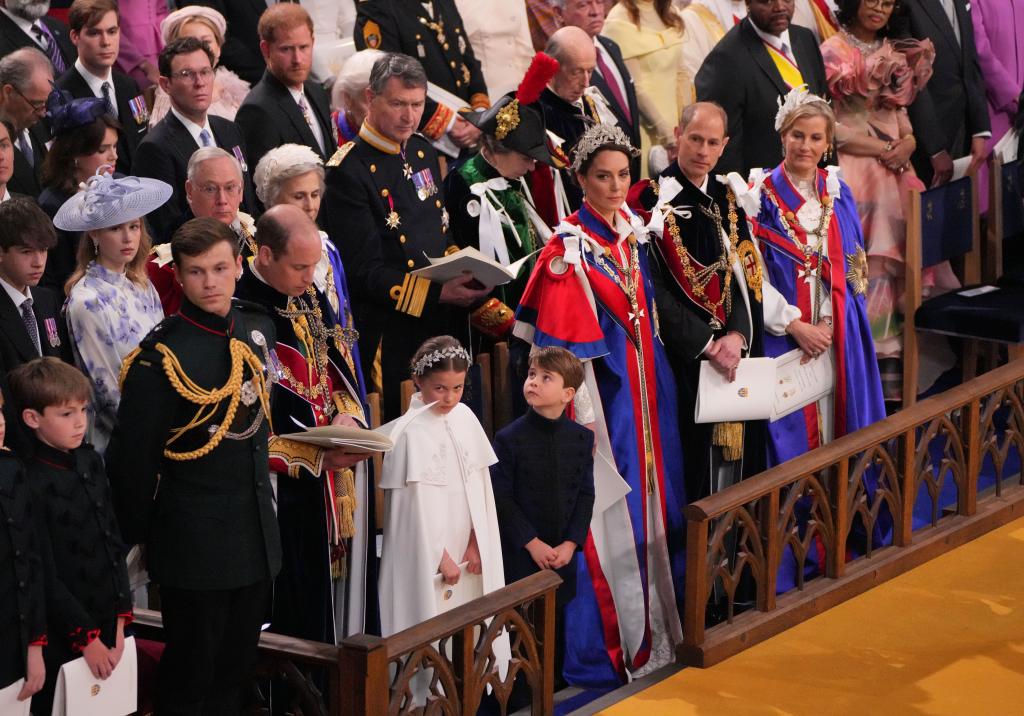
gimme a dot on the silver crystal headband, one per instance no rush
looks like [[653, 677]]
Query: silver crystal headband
[[794, 100], [434, 357], [597, 136]]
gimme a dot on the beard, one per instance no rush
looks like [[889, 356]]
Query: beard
[[30, 10]]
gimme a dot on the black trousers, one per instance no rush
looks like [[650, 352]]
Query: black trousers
[[212, 638]]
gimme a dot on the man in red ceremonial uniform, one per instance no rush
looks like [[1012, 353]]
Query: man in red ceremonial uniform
[[322, 512]]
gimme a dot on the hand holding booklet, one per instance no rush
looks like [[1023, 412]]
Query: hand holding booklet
[[469, 260], [351, 438], [764, 389], [79, 693]]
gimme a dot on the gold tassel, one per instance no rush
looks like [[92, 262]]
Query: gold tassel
[[729, 437], [345, 502]]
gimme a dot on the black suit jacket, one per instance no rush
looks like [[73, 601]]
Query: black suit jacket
[[740, 75], [16, 348], [126, 89], [956, 91], [164, 153], [631, 128], [241, 51], [13, 38], [270, 117], [25, 178]]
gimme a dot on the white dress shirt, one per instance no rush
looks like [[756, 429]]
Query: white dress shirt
[[96, 83], [313, 123], [778, 42], [194, 129]]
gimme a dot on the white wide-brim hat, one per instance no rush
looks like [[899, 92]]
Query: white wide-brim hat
[[106, 202]]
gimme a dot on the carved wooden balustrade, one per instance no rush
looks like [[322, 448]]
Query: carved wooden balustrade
[[448, 659], [856, 512]]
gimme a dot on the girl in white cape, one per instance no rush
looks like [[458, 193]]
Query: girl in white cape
[[441, 518]]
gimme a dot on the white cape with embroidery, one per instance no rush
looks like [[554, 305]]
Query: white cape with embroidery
[[438, 488]]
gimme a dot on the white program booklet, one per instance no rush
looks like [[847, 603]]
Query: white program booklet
[[449, 596], [798, 384], [9, 704], [750, 397], [469, 260], [79, 693]]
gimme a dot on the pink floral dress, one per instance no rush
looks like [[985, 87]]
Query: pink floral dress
[[871, 91]]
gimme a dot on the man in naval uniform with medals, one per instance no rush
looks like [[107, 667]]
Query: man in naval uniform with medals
[[432, 32], [709, 293], [327, 586], [384, 196]]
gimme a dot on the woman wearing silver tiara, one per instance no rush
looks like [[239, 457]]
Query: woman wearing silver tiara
[[810, 236], [590, 293], [111, 304]]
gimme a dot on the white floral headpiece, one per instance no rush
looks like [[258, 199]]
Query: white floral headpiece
[[434, 357], [278, 158], [597, 136], [795, 98]]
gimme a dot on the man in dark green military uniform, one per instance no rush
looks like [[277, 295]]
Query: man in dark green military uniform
[[384, 196], [432, 32], [193, 423]]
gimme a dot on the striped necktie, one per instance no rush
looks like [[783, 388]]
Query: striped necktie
[[49, 44]]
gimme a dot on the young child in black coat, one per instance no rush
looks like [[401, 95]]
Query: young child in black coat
[[22, 606], [544, 480], [88, 601]]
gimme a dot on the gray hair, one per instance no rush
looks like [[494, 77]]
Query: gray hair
[[281, 164], [354, 76], [560, 4], [19, 67], [205, 154], [399, 66]]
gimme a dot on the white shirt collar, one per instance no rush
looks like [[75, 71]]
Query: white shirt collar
[[298, 94], [778, 42], [193, 128], [95, 82], [17, 296], [21, 22], [6, 196]]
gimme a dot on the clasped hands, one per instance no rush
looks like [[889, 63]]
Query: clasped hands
[[548, 557]]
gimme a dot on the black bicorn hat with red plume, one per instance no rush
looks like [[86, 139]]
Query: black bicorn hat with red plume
[[515, 120]]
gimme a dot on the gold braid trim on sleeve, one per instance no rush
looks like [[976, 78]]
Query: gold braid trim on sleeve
[[209, 400], [493, 318], [297, 455]]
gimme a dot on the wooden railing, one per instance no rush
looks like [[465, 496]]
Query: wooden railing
[[450, 656], [816, 511]]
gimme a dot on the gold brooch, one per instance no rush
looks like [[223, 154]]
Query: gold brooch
[[751, 267], [857, 275], [508, 119]]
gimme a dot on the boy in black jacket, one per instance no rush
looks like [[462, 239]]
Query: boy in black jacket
[[22, 612], [87, 596], [544, 480]]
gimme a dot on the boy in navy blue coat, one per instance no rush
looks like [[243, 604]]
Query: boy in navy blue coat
[[88, 602], [22, 612], [544, 480]]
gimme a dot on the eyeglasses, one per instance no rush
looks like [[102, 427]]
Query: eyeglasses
[[192, 75], [211, 190], [38, 105], [880, 4]]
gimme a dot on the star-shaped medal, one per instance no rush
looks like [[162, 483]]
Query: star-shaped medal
[[407, 170], [393, 220]]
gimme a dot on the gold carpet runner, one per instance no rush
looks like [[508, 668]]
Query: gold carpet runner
[[945, 638]]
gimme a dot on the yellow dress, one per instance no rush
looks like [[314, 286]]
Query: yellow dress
[[654, 56]]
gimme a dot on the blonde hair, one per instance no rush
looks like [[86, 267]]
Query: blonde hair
[[807, 110], [88, 253]]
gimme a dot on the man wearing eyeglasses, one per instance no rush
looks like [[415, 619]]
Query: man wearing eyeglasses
[[25, 80], [214, 187], [186, 75]]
